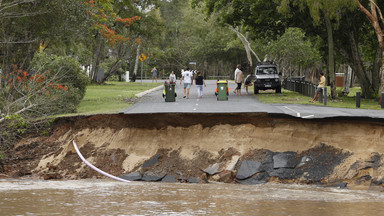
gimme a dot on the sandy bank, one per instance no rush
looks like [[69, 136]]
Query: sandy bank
[[341, 150]]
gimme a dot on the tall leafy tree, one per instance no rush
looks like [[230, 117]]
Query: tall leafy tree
[[24, 25], [375, 16], [355, 46], [249, 19], [293, 48], [259, 17], [323, 11]]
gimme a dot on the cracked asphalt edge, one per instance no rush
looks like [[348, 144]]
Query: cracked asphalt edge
[[141, 94]]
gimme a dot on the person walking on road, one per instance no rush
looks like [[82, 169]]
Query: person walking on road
[[199, 81], [172, 77], [319, 88], [186, 78], [154, 74], [239, 79]]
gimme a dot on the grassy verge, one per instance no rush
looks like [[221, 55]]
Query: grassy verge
[[111, 97], [290, 97]]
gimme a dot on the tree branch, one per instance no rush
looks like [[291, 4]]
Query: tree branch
[[365, 11], [244, 39], [378, 9], [15, 3], [19, 15], [21, 111], [17, 42]]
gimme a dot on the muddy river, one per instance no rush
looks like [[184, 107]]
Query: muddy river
[[107, 197]]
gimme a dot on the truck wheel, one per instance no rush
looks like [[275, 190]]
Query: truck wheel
[[255, 90]]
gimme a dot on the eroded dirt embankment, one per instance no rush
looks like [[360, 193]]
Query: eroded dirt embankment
[[248, 148]]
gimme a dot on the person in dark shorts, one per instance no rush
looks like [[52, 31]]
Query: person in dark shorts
[[239, 79], [154, 74], [234, 77]]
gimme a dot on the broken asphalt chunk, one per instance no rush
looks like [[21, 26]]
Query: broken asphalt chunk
[[152, 161], [133, 176], [285, 160], [150, 176], [247, 169]]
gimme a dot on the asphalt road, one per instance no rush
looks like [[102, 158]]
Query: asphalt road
[[153, 102]]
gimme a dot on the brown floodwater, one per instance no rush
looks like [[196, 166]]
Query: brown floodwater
[[107, 197]]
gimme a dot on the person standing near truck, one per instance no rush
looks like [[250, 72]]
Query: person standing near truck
[[239, 79], [248, 82], [236, 70]]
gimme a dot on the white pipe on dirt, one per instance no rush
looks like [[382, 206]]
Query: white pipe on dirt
[[95, 168]]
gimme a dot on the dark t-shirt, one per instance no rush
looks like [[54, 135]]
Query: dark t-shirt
[[199, 80], [248, 79]]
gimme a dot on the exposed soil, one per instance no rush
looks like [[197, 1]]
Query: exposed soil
[[323, 151]]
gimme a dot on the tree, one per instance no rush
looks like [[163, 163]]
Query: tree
[[292, 48], [247, 45], [259, 17], [26, 24], [374, 16], [356, 47], [250, 20], [110, 28], [327, 11]]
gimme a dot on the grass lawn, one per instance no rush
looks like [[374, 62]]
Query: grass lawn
[[111, 97], [288, 97]]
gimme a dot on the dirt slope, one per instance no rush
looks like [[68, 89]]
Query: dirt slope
[[339, 150]]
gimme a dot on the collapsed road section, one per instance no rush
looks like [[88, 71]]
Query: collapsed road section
[[245, 148]]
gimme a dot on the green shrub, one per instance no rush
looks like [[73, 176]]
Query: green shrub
[[65, 72]]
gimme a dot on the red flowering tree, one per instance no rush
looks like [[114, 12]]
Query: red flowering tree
[[112, 30]]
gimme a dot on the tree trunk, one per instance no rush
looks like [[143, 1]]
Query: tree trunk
[[347, 80], [358, 67], [376, 71], [96, 60], [112, 70], [331, 58], [373, 18], [246, 44], [382, 79], [136, 62]]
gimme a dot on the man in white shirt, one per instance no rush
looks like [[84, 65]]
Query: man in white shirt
[[186, 77]]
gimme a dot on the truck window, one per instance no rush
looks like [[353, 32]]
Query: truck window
[[266, 70]]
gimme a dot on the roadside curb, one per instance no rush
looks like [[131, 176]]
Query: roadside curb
[[141, 94]]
